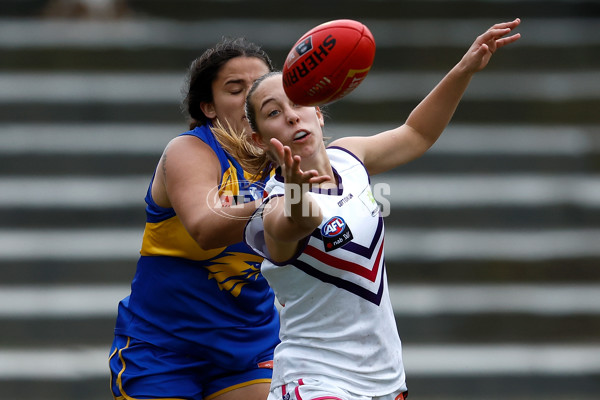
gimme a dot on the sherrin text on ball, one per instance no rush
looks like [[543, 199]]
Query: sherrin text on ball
[[328, 62]]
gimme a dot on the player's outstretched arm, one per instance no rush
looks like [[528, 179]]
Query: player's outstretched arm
[[428, 120]]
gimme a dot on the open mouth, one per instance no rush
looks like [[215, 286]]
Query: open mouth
[[300, 135]]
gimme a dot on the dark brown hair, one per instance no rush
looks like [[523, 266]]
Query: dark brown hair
[[204, 69]]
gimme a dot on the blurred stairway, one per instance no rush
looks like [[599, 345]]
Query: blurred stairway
[[493, 245]]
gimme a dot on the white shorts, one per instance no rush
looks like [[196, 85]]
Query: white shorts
[[312, 389]]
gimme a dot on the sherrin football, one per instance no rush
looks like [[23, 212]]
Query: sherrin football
[[328, 62]]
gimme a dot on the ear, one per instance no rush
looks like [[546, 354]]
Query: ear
[[208, 109], [257, 140], [320, 116]]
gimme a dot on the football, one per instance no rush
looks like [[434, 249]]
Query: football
[[328, 62]]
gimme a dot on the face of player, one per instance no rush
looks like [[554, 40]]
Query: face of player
[[229, 91], [278, 117]]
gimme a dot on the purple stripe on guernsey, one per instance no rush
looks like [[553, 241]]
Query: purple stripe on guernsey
[[358, 290], [353, 155], [356, 248]]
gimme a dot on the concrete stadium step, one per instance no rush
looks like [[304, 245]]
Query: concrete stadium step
[[466, 201], [392, 191], [481, 217], [453, 164], [390, 32], [440, 246], [74, 316], [438, 371], [90, 165], [189, 10], [514, 386], [490, 328], [490, 217], [49, 218], [408, 243], [498, 328], [470, 111], [195, 10], [398, 58], [517, 386], [96, 149], [577, 269], [70, 272], [541, 98], [67, 332], [573, 270], [26, 165], [402, 44]]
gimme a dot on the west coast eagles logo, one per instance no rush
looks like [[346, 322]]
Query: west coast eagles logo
[[335, 233], [233, 271]]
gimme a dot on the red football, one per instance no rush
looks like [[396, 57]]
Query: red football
[[328, 62]]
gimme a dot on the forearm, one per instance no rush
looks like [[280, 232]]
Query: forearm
[[435, 111], [222, 226], [301, 212], [284, 229], [433, 114]]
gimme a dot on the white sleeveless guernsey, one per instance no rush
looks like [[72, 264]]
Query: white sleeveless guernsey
[[337, 322]]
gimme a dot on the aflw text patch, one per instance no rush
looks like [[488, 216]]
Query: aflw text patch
[[335, 233]]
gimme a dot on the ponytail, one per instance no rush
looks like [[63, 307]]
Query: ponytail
[[252, 158]]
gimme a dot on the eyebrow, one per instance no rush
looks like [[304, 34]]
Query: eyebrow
[[234, 82], [267, 101]]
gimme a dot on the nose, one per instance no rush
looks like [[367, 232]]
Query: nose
[[292, 117]]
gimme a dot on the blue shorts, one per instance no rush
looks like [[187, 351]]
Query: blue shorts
[[142, 371]]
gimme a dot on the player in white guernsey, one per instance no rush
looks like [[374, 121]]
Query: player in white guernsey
[[322, 236], [336, 286]]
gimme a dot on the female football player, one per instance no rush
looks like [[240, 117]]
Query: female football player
[[322, 235]]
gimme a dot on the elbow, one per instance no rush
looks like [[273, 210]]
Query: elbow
[[209, 239], [211, 230], [206, 242]]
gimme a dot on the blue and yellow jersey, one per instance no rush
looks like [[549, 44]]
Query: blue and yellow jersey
[[201, 302]]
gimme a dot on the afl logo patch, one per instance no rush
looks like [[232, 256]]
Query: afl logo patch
[[305, 46], [335, 233], [301, 49]]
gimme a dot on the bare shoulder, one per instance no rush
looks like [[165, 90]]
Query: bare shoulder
[[354, 144], [188, 144], [188, 154], [185, 159]]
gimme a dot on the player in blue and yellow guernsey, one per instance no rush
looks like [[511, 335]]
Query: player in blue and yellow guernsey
[[200, 321]]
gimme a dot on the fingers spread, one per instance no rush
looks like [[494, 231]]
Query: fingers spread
[[511, 24], [507, 40]]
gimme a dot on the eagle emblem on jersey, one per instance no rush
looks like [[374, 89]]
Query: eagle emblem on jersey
[[232, 271]]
